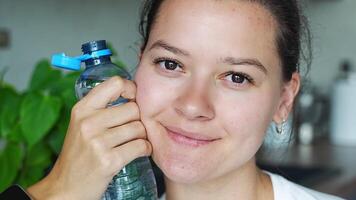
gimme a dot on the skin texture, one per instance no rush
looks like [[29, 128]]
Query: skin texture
[[211, 72]]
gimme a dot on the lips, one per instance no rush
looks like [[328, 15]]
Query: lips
[[188, 138]]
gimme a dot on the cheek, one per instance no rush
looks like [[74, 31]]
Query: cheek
[[246, 118], [153, 98], [155, 94], [149, 93]]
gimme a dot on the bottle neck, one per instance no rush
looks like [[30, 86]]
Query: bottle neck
[[97, 61]]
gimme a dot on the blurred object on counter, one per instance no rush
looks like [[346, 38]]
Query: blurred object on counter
[[312, 115], [343, 108]]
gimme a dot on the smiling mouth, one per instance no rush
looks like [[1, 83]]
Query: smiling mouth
[[188, 139]]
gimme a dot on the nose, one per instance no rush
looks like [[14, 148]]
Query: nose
[[194, 102]]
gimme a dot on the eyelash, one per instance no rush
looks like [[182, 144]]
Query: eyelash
[[241, 74], [165, 59]]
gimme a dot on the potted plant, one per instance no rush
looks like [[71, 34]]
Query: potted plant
[[33, 123]]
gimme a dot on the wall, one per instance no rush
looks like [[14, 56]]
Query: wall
[[42, 27], [333, 24]]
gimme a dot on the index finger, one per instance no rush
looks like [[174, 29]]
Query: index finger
[[109, 91]]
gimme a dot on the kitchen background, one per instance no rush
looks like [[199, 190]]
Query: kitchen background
[[32, 30], [37, 28]]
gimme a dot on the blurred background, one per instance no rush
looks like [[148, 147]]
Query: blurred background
[[320, 154]]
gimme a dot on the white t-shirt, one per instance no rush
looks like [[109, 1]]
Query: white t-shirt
[[284, 189]]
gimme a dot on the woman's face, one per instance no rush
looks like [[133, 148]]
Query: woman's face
[[208, 85]]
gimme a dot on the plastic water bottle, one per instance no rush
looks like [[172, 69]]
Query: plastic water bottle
[[136, 180]]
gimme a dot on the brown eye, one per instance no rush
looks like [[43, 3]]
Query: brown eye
[[237, 78], [169, 65]]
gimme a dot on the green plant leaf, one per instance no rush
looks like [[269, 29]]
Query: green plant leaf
[[44, 76], [38, 159], [30, 175], [4, 175], [10, 162], [56, 138], [39, 155], [38, 115], [69, 98], [65, 89], [16, 135], [10, 102], [67, 93], [67, 82]]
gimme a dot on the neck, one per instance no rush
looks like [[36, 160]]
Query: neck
[[247, 182]]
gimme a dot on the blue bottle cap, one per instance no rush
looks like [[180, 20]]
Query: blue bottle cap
[[66, 62], [73, 63]]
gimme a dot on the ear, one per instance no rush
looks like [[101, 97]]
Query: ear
[[290, 90]]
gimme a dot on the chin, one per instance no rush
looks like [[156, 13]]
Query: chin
[[181, 174], [179, 170]]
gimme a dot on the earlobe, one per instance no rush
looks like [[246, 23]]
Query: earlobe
[[289, 92]]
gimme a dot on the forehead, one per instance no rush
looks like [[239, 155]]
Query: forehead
[[235, 27], [247, 14], [254, 9]]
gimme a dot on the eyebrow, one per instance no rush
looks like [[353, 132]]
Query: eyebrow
[[168, 47], [245, 61], [228, 60]]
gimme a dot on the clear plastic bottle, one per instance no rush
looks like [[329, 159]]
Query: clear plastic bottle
[[136, 180]]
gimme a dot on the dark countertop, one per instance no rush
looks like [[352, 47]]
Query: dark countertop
[[331, 169]]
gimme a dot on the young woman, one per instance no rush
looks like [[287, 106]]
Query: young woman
[[213, 75]]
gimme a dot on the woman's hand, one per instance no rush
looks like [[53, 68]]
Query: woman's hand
[[100, 141]]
